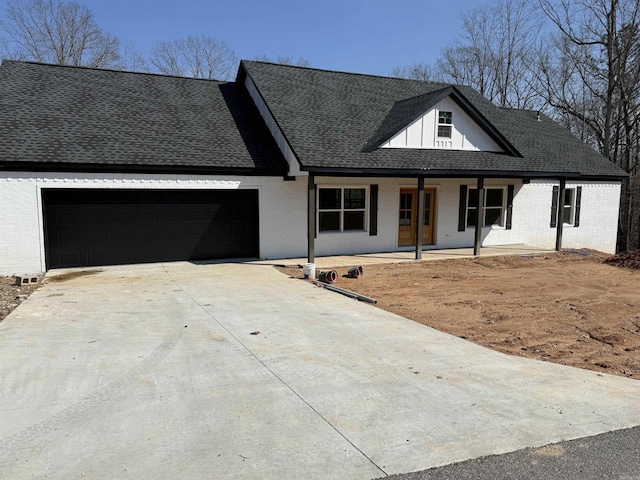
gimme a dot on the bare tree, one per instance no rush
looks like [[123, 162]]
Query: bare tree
[[592, 79], [416, 71], [470, 60], [199, 57], [495, 53], [283, 60], [63, 33], [4, 48], [131, 59]]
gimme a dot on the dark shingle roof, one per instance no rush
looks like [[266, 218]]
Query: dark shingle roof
[[53, 115], [329, 118]]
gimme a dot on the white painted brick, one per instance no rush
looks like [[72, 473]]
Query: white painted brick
[[22, 239], [598, 216], [283, 214]]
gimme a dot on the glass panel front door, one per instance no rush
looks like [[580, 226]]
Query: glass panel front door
[[407, 216]]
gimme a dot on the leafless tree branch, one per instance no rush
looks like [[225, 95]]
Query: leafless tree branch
[[199, 57], [63, 33]]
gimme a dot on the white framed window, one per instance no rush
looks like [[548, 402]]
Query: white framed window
[[445, 124], [494, 207], [568, 206], [342, 209]]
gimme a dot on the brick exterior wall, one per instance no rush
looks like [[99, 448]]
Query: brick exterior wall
[[282, 210], [283, 214]]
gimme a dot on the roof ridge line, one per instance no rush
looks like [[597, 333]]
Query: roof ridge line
[[351, 73], [112, 70]]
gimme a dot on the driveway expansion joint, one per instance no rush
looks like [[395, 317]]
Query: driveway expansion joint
[[274, 374]]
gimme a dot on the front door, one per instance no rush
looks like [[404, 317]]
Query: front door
[[407, 216]]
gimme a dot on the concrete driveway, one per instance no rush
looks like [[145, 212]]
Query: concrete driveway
[[235, 371]]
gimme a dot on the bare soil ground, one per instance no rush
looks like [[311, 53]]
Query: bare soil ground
[[12, 295], [580, 309]]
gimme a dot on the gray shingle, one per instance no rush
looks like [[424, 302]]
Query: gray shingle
[[328, 118], [58, 115]]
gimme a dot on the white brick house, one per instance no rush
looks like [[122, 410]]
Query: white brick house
[[100, 167]]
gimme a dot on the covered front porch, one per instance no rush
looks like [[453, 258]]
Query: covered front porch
[[334, 261], [451, 223]]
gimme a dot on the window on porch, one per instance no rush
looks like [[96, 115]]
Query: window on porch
[[493, 207], [341, 209]]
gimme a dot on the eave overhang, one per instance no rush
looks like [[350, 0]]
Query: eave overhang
[[444, 173], [133, 169]]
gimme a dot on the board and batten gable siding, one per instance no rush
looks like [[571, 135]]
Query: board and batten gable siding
[[422, 133], [283, 145], [282, 215]]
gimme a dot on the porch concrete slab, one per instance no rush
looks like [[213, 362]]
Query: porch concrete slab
[[236, 371], [335, 261]]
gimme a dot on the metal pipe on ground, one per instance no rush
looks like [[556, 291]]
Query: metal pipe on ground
[[346, 293]]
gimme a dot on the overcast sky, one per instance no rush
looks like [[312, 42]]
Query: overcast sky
[[367, 36]]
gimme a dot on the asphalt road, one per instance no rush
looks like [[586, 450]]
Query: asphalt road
[[612, 455]]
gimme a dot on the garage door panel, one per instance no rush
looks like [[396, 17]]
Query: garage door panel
[[147, 214], [123, 213], [121, 237], [68, 237], [69, 258], [105, 227], [145, 233], [97, 236], [94, 215], [67, 216], [124, 255], [170, 213], [97, 257]]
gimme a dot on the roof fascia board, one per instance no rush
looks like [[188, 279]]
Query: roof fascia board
[[483, 122], [373, 172], [137, 169]]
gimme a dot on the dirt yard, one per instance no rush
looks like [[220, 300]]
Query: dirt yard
[[12, 295], [567, 308]]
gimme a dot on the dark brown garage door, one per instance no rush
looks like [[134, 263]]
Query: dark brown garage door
[[113, 227]]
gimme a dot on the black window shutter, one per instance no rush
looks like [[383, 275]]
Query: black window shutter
[[510, 189], [554, 207], [373, 210], [462, 209], [576, 216]]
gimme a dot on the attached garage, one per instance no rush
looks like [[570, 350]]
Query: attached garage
[[89, 227]]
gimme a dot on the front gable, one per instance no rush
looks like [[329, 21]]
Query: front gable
[[444, 126], [440, 120]]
